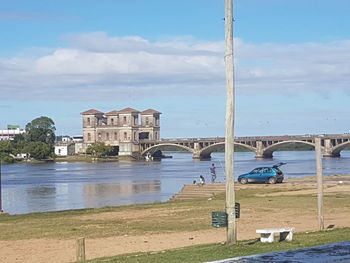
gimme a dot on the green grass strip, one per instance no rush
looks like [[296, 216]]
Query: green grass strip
[[211, 252]]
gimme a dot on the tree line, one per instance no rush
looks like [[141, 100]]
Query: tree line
[[37, 142]]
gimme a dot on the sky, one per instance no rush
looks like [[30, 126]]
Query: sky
[[292, 64]]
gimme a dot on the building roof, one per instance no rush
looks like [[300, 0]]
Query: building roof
[[129, 110], [112, 113], [91, 112], [116, 112], [150, 111]]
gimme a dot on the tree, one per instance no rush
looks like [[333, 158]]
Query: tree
[[6, 147], [6, 150], [19, 138], [41, 129], [38, 150], [6, 158], [99, 149], [18, 143]]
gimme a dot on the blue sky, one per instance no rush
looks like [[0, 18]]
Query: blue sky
[[60, 58]]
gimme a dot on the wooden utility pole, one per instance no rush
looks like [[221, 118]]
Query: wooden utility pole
[[319, 183], [230, 112]]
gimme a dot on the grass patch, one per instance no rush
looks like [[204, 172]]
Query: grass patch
[[213, 252], [154, 218]]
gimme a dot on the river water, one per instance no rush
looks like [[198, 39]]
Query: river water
[[60, 186]]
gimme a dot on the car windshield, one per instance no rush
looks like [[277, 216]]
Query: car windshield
[[256, 171]]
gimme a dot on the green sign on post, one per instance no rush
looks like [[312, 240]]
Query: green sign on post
[[219, 219]]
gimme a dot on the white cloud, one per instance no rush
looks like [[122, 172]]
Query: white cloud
[[96, 66], [309, 67]]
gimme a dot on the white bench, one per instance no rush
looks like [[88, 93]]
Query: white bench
[[267, 235]]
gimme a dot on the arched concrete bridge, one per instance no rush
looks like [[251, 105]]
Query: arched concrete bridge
[[264, 146]]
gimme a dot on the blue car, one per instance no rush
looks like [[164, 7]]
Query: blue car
[[269, 175]]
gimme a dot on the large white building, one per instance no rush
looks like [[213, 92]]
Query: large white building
[[123, 129], [10, 132]]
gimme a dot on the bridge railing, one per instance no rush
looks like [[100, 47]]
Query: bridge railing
[[262, 138]]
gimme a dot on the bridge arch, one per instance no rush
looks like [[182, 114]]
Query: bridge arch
[[337, 149], [268, 151], [153, 148], [206, 151]]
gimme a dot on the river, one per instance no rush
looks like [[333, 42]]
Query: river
[[60, 186]]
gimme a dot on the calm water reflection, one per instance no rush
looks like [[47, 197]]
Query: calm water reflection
[[60, 186]]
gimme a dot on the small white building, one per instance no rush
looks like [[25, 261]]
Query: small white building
[[22, 156], [65, 149]]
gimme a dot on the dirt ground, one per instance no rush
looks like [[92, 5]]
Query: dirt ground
[[58, 251]]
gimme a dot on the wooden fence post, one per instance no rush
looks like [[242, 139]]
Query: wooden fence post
[[81, 249]]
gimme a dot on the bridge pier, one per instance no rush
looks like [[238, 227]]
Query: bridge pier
[[328, 149], [197, 151], [260, 153], [263, 155], [197, 156]]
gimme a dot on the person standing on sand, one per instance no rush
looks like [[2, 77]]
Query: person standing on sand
[[213, 173]]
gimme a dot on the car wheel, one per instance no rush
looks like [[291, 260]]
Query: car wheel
[[244, 181], [272, 180]]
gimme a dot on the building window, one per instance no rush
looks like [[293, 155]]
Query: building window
[[88, 121], [112, 121], [89, 137], [115, 136], [147, 121], [125, 135], [107, 136]]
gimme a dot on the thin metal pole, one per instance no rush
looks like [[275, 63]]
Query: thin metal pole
[[319, 183], [230, 111]]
